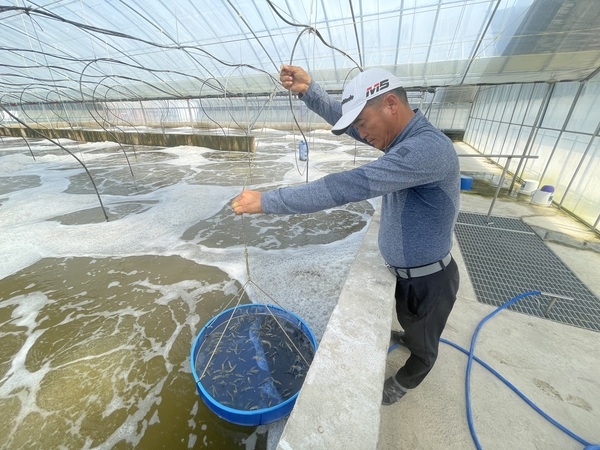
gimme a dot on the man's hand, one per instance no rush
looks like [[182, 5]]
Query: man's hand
[[247, 202], [294, 78]]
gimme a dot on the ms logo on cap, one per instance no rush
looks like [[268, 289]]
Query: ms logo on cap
[[371, 90]]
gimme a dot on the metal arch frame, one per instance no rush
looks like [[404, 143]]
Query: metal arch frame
[[481, 37], [231, 10], [502, 176], [580, 88], [435, 21], [333, 59], [211, 27], [536, 124], [275, 46], [399, 33]]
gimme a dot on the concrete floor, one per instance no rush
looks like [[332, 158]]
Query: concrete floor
[[555, 365]]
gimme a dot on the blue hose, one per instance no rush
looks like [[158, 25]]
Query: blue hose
[[519, 393], [472, 357]]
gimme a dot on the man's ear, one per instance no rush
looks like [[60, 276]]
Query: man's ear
[[392, 102]]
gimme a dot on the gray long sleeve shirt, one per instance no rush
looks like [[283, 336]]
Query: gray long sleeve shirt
[[418, 177]]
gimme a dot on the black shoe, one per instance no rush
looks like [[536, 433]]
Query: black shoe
[[398, 338], [392, 391]]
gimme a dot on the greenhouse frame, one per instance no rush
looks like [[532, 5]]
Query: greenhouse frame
[[517, 77]]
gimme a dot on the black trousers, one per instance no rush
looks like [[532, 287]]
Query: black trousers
[[423, 305]]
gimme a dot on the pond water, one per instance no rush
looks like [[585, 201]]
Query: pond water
[[97, 318]]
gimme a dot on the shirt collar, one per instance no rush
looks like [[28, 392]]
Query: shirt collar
[[406, 131]]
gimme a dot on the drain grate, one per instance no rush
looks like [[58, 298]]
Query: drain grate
[[506, 258]]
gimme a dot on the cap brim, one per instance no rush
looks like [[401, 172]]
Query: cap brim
[[347, 119]]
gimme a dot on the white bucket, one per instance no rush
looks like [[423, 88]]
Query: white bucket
[[542, 198], [528, 187]]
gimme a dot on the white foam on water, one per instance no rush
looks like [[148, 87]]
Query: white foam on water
[[305, 280], [115, 404], [270, 131], [18, 381], [25, 224]]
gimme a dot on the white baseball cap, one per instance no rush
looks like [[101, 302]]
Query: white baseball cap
[[365, 86]]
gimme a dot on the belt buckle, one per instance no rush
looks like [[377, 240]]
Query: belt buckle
[[402, 273], [398, 273]]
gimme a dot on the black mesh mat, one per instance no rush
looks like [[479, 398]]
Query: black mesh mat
[[505, 258]]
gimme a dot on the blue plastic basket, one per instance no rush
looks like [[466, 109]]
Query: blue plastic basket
[[218, 324]]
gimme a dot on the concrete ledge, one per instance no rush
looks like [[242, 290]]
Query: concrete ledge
[[339, 404], [218, 142]]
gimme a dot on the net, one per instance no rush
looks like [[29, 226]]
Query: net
[[252, 358]]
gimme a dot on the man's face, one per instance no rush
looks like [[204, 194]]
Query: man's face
[[374, 124]]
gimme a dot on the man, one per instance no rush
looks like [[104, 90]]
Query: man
[[418, 178]]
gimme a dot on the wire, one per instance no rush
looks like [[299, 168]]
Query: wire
[[306, 30], [315, 31], [66, 150], [98, 82]]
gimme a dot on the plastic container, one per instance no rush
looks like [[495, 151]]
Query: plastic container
[[543, 196], [303, 150], [233, 361], [528, 187], [466, 183]]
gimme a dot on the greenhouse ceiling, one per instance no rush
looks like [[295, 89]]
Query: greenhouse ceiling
[[74, 50]]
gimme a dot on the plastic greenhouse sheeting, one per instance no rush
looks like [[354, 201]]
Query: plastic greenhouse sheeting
[[74, 51]]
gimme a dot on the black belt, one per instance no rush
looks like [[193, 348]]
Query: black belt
[[414, 272]]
